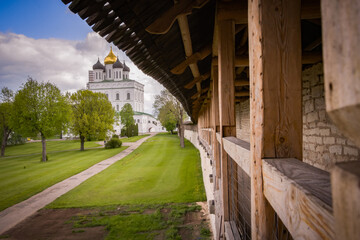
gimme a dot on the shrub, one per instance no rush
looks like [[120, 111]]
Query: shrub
[[113, 143], [115, 136]]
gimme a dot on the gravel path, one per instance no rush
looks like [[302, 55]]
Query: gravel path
[[17, 213]]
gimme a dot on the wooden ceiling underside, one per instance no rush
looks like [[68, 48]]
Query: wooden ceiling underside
[[176, 43]]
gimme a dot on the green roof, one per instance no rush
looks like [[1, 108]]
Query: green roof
[[142, 113]]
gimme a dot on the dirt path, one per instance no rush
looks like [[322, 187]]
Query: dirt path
[[17, 213]]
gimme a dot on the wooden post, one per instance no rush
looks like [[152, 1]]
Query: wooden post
[[226, 56], [345, 179], [215, 120], [341, 38], [275, 104]]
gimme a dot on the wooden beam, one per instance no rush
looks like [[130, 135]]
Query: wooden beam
[[242, 93], [301, 196], [241, 82], [275, 105], [193, 58], [238, 10], [314, 44], [198, 94], [215, 120], [203, 77], [345, 179], [341, 38], [307, 58], [166, 20], [226, 55], [239, 151]]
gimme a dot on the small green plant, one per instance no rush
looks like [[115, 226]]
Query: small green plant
[[113, 143], [115, 136]]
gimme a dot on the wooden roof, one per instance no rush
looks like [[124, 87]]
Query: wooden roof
[[178, 51]]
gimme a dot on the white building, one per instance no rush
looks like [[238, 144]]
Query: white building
[[113, 80]]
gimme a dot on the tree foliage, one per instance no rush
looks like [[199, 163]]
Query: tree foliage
[[127, 120], [39, 108], [169, 111], [93, 115], [6, 108]]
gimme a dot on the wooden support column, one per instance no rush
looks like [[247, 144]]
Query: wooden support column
[[345, 179], [215, 120], [275, 104], [341, 48], [226, 56]]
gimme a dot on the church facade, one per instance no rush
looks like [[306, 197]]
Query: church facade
[[113, 80]]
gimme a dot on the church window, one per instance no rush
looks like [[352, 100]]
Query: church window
[[117, 107], [117, 74], [128, 96], [123, 76], [109, 73], [96, 76], [117, 96]]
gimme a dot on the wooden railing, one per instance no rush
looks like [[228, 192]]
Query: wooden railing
[[299, 193]]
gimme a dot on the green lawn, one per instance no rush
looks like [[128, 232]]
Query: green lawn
[[24, 176], [159, 171], [134, 139], [51, 146]]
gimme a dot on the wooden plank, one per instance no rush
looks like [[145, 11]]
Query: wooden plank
[[341, 38], [301, 196], [243, 93], [215, 119], [345, 179], [241, 82], [275, 105], [239, 151]]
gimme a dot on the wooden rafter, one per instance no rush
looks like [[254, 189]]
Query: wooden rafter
[[198, 94], [165, 21], [196, 80]]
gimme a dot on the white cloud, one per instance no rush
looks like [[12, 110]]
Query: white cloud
[[63, 62]]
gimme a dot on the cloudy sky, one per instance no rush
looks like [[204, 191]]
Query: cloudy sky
[[44, 40]]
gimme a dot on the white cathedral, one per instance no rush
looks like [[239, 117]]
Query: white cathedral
[[113, 80]]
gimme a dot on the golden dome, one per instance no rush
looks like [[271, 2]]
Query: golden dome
[[110, 58]]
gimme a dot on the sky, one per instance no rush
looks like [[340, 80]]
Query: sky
[[44, 40]]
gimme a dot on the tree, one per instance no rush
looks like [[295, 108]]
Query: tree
[[127, 119], [6, 106], [168, 108], [93, 115], [39, 108]]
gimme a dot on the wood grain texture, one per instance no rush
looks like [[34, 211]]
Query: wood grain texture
[[215, 119], [341, 37], [239, 151], [345, 179], [301, 196], [275, 104]]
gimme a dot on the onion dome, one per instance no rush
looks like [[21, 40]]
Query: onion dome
[[110, 58], [126, 68], [98, 65], [118, 64]]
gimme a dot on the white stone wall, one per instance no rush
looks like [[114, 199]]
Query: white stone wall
[[323, 143]]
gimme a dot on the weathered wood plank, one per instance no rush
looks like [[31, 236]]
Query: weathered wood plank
[[341, 38], [345, 179], [275, 105], [239, 151], [301, 196]]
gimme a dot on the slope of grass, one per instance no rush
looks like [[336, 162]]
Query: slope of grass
[[24, 176], [51, 146], [133, 139], [159, 171]]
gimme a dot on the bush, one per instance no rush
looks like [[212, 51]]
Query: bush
[[115, 136], [113, 143]]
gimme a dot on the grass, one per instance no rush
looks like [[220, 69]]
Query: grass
[[24, 176], [133, 139], [140, 222], [51, 146], [159, 171]]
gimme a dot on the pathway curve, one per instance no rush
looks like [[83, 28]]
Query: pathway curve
[[17, 213]]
